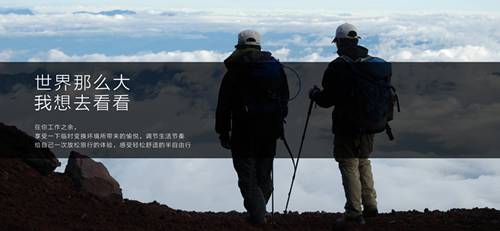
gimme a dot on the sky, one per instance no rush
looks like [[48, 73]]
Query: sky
[[362, 5], [189, 30]]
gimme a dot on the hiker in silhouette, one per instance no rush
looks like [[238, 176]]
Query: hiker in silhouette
[[252, 105], [349, 83]]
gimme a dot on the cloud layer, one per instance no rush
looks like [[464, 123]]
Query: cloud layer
[[292, 36], [306, 36], [417, 184], [56, 55]]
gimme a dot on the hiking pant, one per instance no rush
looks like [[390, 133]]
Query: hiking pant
[[358, 184], [255, 183]]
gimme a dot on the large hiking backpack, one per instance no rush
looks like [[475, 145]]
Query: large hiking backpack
[[263, 90], [263, 97], [374, 97]]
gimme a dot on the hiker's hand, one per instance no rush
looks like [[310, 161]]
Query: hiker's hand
[[225, 140], [314, 93]]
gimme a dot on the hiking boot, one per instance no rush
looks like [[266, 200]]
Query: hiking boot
[[370, 212], [255, 221], [345, 223]]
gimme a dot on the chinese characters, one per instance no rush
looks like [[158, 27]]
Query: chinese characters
[[67, 136], [79, 92]]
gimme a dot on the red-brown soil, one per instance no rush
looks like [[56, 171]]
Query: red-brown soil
[[30, 201]]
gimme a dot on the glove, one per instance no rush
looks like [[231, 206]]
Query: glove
[[314, 93], [225, 140]]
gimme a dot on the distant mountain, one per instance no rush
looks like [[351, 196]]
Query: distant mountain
[[18, 11], [108, 13]]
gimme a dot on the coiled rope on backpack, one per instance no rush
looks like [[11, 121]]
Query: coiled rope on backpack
[[299, 81]]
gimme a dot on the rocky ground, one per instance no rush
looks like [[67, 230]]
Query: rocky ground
[[86, 197], [32, 201]]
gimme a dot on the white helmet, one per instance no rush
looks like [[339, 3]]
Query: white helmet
[[249, 37], [346, 30]]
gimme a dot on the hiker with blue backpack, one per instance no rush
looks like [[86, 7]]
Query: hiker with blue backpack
[[251, 108], [358, 86]]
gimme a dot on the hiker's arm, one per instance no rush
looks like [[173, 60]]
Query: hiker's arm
[[326, 97], [223, 112]]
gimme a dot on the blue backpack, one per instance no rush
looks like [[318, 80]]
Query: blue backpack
[[373, 95], [264, 89]]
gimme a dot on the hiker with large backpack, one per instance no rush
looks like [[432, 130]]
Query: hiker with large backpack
[[358, 85], [252, 105]]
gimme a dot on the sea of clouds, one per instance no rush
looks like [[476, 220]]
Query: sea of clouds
[[204, 36], [182, 35]]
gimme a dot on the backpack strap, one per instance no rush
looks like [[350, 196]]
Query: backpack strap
[[388, 131], [396, 97], [347, 58], [358, 74], [359, 60]]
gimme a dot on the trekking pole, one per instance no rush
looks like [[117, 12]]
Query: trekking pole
[[272, 192], [288, 150], [296, 165]]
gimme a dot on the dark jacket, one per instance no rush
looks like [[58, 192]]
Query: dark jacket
[[250, 135], [337, 88]]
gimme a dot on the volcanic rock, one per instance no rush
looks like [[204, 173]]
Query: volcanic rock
[[15, 143], [91, 176]]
